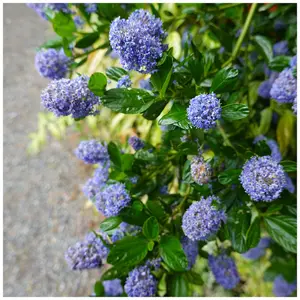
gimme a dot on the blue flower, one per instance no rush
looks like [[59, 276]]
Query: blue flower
[[293, 61], [40, 8], [200, 170], [138, 41], [204, 111], [264, 89], [262, 178], [224, 269], [163, 189], [145, 84], [92, 152], [140, 283], [190, 249], [90, 7], [203, 219], [79, 22], [259, 250], [282, 288], [279, 24], [92, 239], [275, 151], [294, 107], [113, 288], [136, 143], [289, 184], [124, 82], [130, 229], [281, 48], [154, 263]]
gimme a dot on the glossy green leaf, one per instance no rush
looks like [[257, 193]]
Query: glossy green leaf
[[265, 120], [115, 73], [289, 166], [264, 46], [154, 110], [115, 154], [87, 41], [194, 277], [115, 272], [97, 83], [156, 209], [279, 63], [285, 131], [230, 176], [232, 112], [253, 234], [99, 289], [224, 80], [151, 228], [110, 223], [63, 24], [177, 285]]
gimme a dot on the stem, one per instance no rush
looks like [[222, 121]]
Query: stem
[[88, 52], [224, 135]]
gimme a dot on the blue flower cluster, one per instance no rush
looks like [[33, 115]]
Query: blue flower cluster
[[124, 82], [281, 288], [40, 8], [140, 283], [281, 48], [112, 199], [52, 63], [263, 178], [70, 97], [154, 263], [90, 7], [289, 184], [200, 170], [294, 107], [113, 288], [203, 219], [204, 110], [259, 250], [92, 152], [145, 84], [79, 22], [265, 87], [136, 143], [224, 269], [130, 229], [275, 151], [190, 249], [138, 41]]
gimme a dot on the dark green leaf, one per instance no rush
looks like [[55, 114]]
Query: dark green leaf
[[154, 110], [224, 80], [177, 286], [87, 40], [99, 289], [283, 230], [264, 46], [110, 223], [194, 277], [127, 101], [289, 166], [171, 251], [223, 36], [63, 24], [230, 176], [127, 162], [253, 234], [156, 209], [279, 63], [285, 131], [232, 112], [97, 83], [188, 148], [115, 272], [66, 48], [274, 208], [115, 155], [133, 216], [145, 155], [55, 43], [151, 228], [196, 68], [115, 73]]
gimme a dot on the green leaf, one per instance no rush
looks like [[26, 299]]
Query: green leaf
[[154, 110], [177, 286], [171, 251], [115, 73], [66, 48], [99, 289], [97, 83], [129, 251], [63, 24], [127, 101], [145, 155], [115, 155], [224, 80], [253, 233], [110, 223], [133, 216], [188, 148], [279, 63], [151, 245], [265, 120], [127, 162], [87, 41], [151, 228], [264, 46], [194, 277], [196, 68], [156, 209], [232, 112], [230, 176], [285, 131], [115, 272], [289, 166], [274, 208], [283, 230]]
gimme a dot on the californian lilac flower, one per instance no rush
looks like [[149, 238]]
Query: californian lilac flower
[[130, 229], [293, 61], [90, 7], [200, 170], [90, 189], [117, 235], [136, 143], [259, 250], [145, 84], [92, 239], [52, 63], [163, 189], [275, 151], [138, 41], [224, 269], [284, 88], [140, 283], [281, 48], [204, 111], [202, 219], [124, 82], [41, 8], [221, 50], [294, 107], [79, 22], [279, 24], [113, 288], [154, 263], [282, 288], [92, 152], [289, 184], [70, 97], [264, 89], [190, 249], [112, 199], [134, 179], [262, 178]]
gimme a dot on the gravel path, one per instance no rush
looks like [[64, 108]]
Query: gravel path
[[43, 213]]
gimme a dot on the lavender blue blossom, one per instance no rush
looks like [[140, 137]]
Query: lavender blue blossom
[[284, 88], [136, 143], [289, 184], [259, 250], [92, 239], [117, 235], [138, 41], [70, 97], [52, 63], [154, 263], [113, 288], [279, 24], [90, 7], [281, 48], [190, 249], [145, 84], [112, 199], [282, 288], [140, 283], [92, 152], [203, 219], [200, 170], [134, 179], [264, 89], [275, 151], [204, 111], [293, 61], [130, 229], [163, 189], [79, 22], [224, 269], [262, 178], [124, 82], [40, 8], [294, 107]]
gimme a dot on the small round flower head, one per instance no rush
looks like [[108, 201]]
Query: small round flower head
[[124, 82], [70, 97], [138, 41], [282, 288], [145, 84], [136, 143], [117, 235], [203, 219], [113, 288], [289, 184], [293, 61], [92, 239], [154, 263], [130, 229], [52, 63], [200, 170], [190, 249], [204, 111], [284, 88], [281, 48], [79, 22], [224, 269], [294, 107], [90, 7], [259, 250], [262, 178], [92, 152], [112, 199], [140, 283]]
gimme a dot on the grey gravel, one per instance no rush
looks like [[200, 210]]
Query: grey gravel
[[44, 210]]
